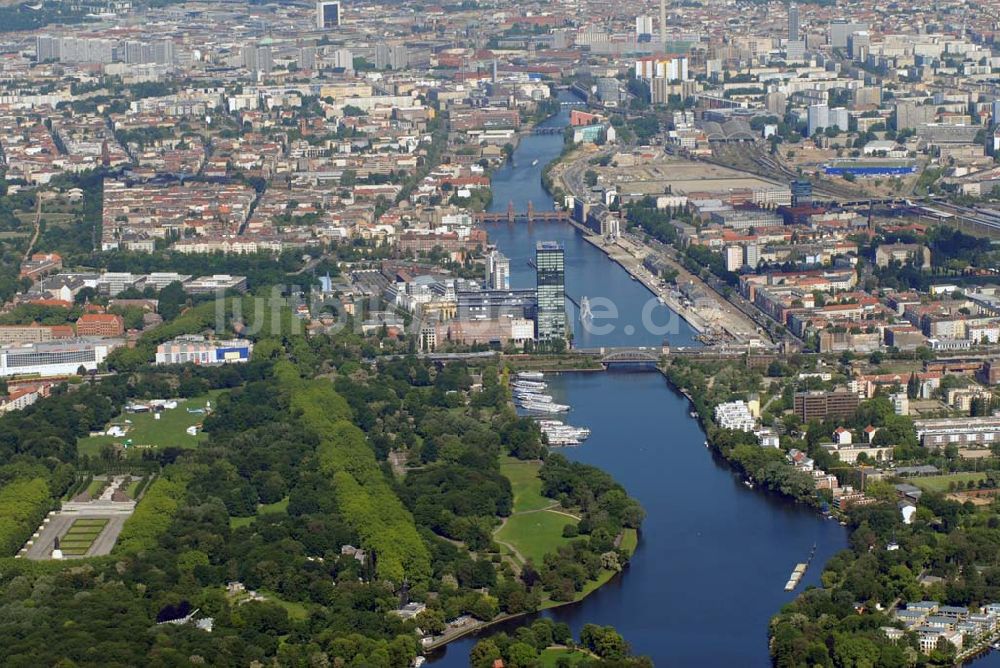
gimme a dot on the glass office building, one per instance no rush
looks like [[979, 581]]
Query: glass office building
[[550, 277]]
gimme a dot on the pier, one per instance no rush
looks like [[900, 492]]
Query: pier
[[799, 571], [528, 216]]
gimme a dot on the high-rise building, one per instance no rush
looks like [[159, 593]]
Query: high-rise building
[[307, 57], [995, 112], [802, 192], [497, 271], [47, 48], [795, 51], [819, 118], [258, 59], [913, 114], [839, 117], [76, 49], [327, 14], [609, 90], [793, 22], [859, 44], [643, 25], [776, 103], [343, 58], [671, 69], [391, 57], [841, 29], [550, 286], [663, 21]]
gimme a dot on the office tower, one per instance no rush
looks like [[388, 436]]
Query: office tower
[[327, 14], [663, 21], [793, 22], [550, 286], [995, 113], [497, 271], [802, 192]]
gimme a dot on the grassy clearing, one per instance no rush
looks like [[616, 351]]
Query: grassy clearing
[[146, 431], [262, 509], [535, 534], [939, 483], [551, 656], [630, 541], [296, 611], [526, 484]]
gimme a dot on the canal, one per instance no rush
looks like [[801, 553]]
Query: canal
[[713, 556]]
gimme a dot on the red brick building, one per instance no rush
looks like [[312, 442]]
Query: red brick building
[[100, 324]]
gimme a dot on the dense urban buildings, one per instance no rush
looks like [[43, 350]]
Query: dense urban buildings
[[282, 286]]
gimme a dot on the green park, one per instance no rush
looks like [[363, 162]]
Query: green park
[[145, 430]]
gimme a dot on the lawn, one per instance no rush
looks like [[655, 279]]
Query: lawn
[[535, 534], [145, 430], [96, 487], [939, 483], [296, 611], [550, 656], [81, 535], [262, 509], [524, 481]]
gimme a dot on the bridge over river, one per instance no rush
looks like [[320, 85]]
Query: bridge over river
[[529, 215]]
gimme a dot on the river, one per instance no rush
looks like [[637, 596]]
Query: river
[[713, 556]]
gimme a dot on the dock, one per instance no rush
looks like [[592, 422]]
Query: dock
[[799, 571]]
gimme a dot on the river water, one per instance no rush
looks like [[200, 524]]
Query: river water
[[713, 556]]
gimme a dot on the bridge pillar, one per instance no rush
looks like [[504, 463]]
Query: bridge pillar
[[510, 211], [531, 211]]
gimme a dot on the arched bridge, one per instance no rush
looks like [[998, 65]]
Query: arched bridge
[[624, 355]]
